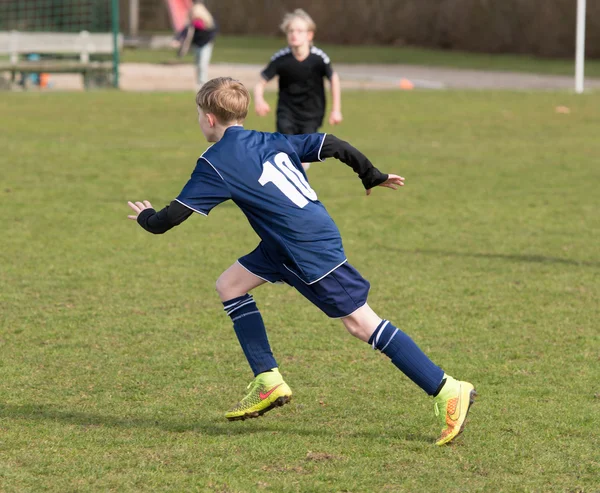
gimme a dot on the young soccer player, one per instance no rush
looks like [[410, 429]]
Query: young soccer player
[[300, 245], [200, 33], [301, 68]]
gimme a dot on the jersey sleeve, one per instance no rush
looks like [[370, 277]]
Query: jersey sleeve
[[307, 146], [270, 70], [204, 190], [327, 68]]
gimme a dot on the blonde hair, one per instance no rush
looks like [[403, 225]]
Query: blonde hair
[[297, 14], [224, 97], [199, 11]]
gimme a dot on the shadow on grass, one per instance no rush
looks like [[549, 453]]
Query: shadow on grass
[[541, 259], [207, 426]]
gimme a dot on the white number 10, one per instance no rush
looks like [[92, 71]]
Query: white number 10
[[299, 191]]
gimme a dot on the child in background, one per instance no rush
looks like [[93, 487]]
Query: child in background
[[300, 245], [301, 68], [200, 33]]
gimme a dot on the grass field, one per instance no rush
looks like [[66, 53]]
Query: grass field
[[488, 258], [259, 49]]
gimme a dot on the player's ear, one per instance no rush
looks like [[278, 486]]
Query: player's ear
[[212, 121], [310, 35]]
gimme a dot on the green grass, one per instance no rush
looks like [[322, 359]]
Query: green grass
[[117, 361], [259, 49]]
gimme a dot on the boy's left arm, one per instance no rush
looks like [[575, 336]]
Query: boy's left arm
[[186, 41], [162, 221], [335, 116], [370, 176]]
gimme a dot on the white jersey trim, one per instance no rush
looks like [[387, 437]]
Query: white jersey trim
[[321, 147], [280, 53], [321, 53], [255, 274], [376, 341], [317, 280], [216, 170], [191, 208], [353, 311]]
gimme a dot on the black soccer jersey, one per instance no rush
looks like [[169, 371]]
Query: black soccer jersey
[[301, 88]]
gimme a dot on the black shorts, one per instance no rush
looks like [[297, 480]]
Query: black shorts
[[287, 126]]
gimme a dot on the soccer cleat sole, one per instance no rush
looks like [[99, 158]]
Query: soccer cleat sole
[[472, 396], [280, 401]]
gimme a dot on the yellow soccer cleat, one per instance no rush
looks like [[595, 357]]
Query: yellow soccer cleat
[[267, 391], [452, 405]]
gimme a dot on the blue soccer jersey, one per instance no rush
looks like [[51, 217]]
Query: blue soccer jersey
[[262, 173]]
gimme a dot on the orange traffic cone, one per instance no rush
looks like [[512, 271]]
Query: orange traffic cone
[[406, 85]]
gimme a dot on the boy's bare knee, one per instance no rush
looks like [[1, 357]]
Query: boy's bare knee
[[223, 288], [358, 328], [354, 328], [362, 322]]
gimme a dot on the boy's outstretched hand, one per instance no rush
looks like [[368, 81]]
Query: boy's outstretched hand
[[393, 182], [139, 207]]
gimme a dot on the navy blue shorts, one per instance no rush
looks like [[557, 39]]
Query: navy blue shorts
[[338, 294]]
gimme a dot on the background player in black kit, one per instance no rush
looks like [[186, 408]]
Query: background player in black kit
[[301, 68]]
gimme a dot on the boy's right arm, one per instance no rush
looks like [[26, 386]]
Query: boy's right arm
[[270, 71], [260, 105], [204, 190], [162, 221]]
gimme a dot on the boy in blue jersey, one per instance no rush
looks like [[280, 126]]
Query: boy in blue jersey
[[300, 246]]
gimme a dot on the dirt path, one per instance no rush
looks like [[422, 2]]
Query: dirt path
[[451, 78], [156, 77]]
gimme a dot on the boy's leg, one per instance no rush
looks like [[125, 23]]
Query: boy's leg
[[343, 294], [205, 56], [453, 398], [233, 287], [267, 390], [198, 67], [285, 125], [365, 324]]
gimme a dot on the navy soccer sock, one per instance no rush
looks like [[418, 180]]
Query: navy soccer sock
[[250, 330], [407, 356]]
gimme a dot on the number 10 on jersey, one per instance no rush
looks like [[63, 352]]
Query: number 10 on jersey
[[287, 179]]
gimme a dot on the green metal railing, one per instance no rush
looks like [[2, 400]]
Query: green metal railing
[[68, 16], [115, 33], [56, 15]]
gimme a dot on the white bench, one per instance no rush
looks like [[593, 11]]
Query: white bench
[[15, 44]]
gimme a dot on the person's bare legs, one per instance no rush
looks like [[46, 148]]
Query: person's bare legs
[[362, 323], [236, 281]]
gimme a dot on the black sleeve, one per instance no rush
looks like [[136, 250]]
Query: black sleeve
[[270, 70], [341, 150], [162, 221], [327, 69]]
